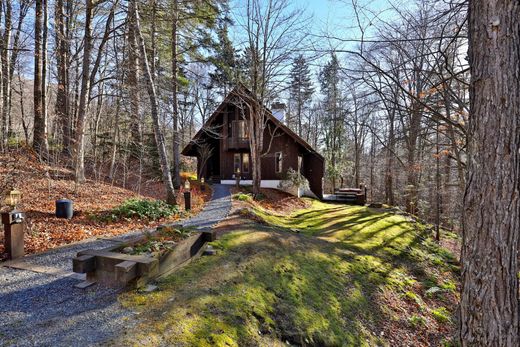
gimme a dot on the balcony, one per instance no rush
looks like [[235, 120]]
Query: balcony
[[237, 142]]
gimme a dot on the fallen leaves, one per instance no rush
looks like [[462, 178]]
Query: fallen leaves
[[40, 191]]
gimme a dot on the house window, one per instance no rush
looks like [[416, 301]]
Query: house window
[[240, 129], [278, 162], [236, 162], [300, 162], [245, 162]]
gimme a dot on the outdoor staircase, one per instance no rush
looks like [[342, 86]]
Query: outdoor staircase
[[351, 195]]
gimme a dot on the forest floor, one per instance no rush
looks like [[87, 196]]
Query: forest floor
[[41, 185], [324, 275]]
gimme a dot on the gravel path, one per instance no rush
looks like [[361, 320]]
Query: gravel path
[[216, 210], [39, 305]]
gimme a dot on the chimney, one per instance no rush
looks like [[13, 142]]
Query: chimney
[[278, 110]]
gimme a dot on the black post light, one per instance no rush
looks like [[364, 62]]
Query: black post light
[[14, 225], [187, 195]]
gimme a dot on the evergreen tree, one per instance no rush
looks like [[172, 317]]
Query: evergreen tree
[[225, 61], [333, 124], [301, 91]]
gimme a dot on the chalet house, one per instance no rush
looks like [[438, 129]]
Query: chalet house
[[226, 133]]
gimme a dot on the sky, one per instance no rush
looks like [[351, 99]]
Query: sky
[[329, 18]]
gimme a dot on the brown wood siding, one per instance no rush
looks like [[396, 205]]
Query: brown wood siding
[[290, 145], [313, 170]]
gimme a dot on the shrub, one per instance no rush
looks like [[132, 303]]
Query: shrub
[[417, 321], [441, 315], [293, 180], [449, 286], [242, 197], [144, 209]]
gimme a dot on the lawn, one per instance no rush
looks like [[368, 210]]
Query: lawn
[[329, 275]]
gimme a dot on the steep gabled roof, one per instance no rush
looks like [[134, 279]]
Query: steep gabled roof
[[239, 91]]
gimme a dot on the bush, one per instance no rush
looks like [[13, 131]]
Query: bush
[[293, 181], [242, 197], [144, 209], [441, 314], [417, 321]]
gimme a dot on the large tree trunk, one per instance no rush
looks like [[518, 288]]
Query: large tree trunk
[[40, 143], [45, 33], [6, 83], [133, 93], [175, 69], [83, 96], [62, 93], [490, 298], [150, 86]]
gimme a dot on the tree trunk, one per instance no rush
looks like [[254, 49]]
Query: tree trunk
[[115, 138], [6, 85], [23, 9], [83, 96], [389, 171], [133, 93], [150, 86], [45, 32], [176, 142], [40, 143], [491, 230], [62, 93]]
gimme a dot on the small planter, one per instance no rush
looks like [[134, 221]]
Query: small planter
[[129, 263]]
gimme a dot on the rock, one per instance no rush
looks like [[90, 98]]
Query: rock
[[149, 288], [127, 250]]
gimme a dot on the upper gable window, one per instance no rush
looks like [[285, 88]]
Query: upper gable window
[[240, 129]]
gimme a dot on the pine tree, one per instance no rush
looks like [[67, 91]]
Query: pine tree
[[301, 90], [329, 80], [225, 60]]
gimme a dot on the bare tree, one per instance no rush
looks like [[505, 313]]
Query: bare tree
[[133, 19], [40, 143], [274, 33]]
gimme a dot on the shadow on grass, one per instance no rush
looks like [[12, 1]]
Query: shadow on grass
[[269, 287], [274, 287]]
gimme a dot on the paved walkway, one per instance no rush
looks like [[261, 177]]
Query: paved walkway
[[39, 305]]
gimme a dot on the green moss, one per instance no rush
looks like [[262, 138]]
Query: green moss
[[321, 287]]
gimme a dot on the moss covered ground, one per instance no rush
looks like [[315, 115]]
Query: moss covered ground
[[329, 275]]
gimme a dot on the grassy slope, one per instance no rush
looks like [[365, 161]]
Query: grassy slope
[[353, 276]]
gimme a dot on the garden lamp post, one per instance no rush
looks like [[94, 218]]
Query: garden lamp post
[[14, 225], [187, 195], [202, 186], [237, 178]]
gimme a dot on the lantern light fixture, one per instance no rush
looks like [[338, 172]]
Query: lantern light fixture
[[13, 198], [187, 185]]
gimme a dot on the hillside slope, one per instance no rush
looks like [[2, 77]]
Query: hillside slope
[[329, 275], [41, 185]]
